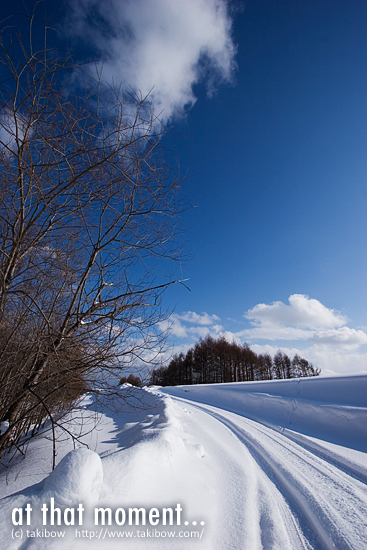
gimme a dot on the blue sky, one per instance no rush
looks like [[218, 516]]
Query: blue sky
[[267, 104], [278, 165]]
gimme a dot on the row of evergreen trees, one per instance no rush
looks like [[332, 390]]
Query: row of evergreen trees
[[216, 360]]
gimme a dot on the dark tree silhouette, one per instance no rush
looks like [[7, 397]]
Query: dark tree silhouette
[[215, 360]]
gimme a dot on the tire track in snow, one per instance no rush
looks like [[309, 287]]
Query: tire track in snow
[[252, 512], [326, 502], [353, 470]]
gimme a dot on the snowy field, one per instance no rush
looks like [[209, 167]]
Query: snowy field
[[259, 465]]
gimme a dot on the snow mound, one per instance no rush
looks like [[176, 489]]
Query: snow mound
[[78, 477], [329, 409]]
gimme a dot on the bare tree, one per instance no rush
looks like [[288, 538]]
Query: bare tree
[[213, 360], [88, 215]]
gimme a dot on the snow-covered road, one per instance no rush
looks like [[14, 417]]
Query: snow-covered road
[[277, 465], [278, 490]]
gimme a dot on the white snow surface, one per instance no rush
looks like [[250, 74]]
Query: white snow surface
[[78, 477], [258, 465]]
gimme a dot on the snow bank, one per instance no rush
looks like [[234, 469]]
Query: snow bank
[[77, 478], [240, 483], [331, 409], [144, 457]]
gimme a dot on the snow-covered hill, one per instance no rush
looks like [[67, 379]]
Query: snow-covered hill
[[259, 465]]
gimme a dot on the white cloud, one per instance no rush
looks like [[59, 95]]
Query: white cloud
[[213, 330], [302, 312], [174, 327], [336, 361], [199, 319], [332, 362], [320, 333], [191, 324], [272, 331], [162, 46], [305, 326], [272, 350], [345, 337]]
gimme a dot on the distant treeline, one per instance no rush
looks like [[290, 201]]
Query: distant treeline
[[216, 360]]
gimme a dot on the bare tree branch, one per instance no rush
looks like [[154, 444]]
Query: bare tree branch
[[88, 215]]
